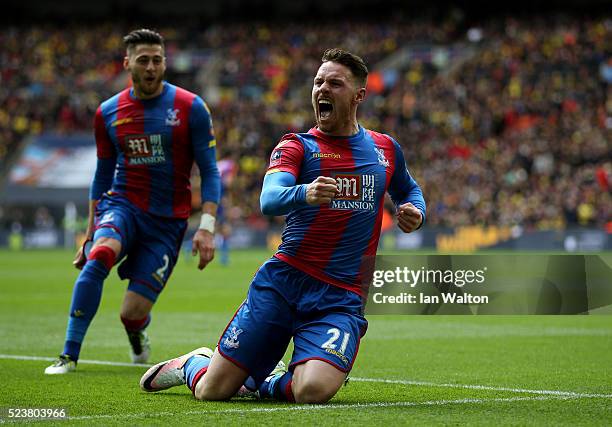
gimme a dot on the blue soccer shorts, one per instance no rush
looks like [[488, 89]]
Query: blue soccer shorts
[[150, 245], [325, 322]]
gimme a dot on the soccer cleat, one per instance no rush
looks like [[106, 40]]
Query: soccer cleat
[[277, 372], [170, 373], [62, 365], [141, 346], [279, 369]]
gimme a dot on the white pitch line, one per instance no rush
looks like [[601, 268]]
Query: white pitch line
[[81, 361], [329, 406], [559, 393], [485, 387]]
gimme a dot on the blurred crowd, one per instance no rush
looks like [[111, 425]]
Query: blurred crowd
[[52, 79], [519, 134], [515, 130]]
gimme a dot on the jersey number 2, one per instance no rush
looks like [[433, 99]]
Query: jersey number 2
[[162, 270]]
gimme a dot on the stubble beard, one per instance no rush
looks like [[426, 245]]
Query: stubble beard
[[142, 86]]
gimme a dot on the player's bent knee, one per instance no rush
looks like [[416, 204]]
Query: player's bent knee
[[314, 390], [316, 382], [110, 242], [201, 392], [221, 381], [103, 254], [207, 390]]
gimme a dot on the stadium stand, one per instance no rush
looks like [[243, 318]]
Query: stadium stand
[[510, 126]]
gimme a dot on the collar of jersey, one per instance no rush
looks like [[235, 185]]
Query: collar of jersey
[[350, 138]]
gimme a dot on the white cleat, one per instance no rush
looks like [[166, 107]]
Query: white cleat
[[280, 368], [141, 358], [140, 347], [169, 373], [62, 365]]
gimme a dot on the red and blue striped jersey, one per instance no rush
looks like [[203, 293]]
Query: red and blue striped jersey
[[330, 242], [153, 144]]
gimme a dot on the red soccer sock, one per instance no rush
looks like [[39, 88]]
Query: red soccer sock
[[104, 255], [280, 387], [132, 325]]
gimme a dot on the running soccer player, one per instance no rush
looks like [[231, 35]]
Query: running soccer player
[[330, 182], [147, 139]]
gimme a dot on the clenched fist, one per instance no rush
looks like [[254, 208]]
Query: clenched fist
[[409, 218], [321, 191]]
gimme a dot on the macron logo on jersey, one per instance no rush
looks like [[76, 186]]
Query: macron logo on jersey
[[334, 156], [356, 192], [122, 122]]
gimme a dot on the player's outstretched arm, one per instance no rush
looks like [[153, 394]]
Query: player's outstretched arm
[[280, 194], [102, 180], [204, 151], [203, 242], [410, 204], [407, 195], [80, 258]]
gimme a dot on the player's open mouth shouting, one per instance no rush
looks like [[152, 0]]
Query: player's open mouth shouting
[[325, 108]]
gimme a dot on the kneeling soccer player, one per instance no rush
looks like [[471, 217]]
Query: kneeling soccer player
[[330, 182]]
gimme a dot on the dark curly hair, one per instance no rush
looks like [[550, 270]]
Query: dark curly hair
[[143, 36]]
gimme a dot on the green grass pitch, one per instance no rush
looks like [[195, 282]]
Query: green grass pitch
[[434, 370]]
